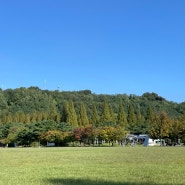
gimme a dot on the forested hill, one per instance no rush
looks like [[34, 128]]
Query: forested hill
[[29, 115], [32, 100]]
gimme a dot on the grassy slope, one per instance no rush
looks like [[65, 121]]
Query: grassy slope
[[93, 166]]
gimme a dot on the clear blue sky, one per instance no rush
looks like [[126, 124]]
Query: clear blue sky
[[107, 46]]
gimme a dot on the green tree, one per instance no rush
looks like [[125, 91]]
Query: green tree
[[53, 136], [112, 115], [39, 116], [58, 118], [13, 133], [176, 130], [22, 117], [34, 117], [83, 118], [16, 118], [179, 128], [95, 118], [45, 116], [4, 117], [149, 117], [53, 113], [27, 118], [140, 127], [131, 118], [9, 118], [65, 112], [70, 114], [3, 101], [106, 116], [121, 117], [120, 133]]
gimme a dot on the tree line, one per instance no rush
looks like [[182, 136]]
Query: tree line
[[29, 115]]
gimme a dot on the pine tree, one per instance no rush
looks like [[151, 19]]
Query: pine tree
[[95, 118], [34, 117], [131, 118], [83, 118], [131, 115], [149, 115], [65, 112], [140, 126], [58, 118], [45, 116], [52, 113], [121, 117], [16, 118], [3, 118], [71, 114], [38, 116], [21, 117], [27, 118], [106, 116], [112, 115], [9, 118]]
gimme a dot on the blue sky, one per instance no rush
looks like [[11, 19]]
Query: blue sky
[[107, 46]]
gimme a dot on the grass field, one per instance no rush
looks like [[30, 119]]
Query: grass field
[[93, 166]]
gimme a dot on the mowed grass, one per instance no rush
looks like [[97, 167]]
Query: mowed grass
[[93, 166]]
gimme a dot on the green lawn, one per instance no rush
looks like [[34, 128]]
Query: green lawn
[[93, 166]]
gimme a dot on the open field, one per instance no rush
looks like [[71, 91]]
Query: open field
[[93, 166]]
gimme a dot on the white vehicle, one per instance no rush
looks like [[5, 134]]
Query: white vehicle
[[156, 142]]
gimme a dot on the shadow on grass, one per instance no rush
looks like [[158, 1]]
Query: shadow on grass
[[98, 182]]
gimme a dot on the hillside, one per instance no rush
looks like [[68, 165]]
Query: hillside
[[29, 100], [29, 115]]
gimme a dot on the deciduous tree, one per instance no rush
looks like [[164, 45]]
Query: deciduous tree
[[161, 126]]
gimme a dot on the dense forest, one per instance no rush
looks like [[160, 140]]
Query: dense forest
[[31, 115]]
